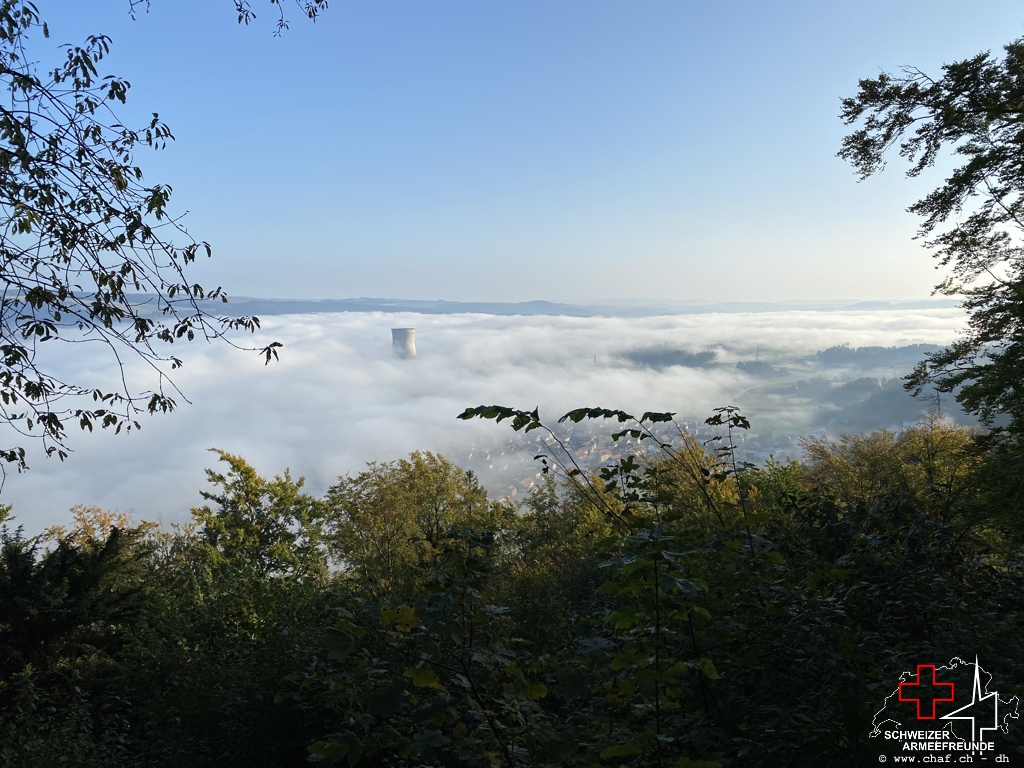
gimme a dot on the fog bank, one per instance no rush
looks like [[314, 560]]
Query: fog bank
[[339, 398]]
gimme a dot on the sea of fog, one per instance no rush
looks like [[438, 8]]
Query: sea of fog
[[339, 398]]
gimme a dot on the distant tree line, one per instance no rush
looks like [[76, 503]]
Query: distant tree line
[[875, 357], [663, 357]]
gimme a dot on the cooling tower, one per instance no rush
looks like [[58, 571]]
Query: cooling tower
[[403, 342]]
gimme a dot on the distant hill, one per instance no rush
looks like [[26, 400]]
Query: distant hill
[[761, 370], [663, 357], [874, 357], [239, 306]]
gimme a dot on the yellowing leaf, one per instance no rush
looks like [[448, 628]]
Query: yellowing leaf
[[622, 750], [422, 677], [403, 618], [536, 691]]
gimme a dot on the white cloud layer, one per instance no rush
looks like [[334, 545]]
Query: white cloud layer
[[339, 398]]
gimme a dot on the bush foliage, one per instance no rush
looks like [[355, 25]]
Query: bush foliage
[[669, 609]]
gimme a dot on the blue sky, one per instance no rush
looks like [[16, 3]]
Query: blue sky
[[568, 150]]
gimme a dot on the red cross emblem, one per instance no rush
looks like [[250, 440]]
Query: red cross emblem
[[929, 692]]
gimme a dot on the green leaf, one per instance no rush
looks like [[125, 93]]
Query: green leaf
[[536, 691], [422, 677], [708, 668], [621, 750], [572, 684], [403, 618], [386, 701], [339, 644]]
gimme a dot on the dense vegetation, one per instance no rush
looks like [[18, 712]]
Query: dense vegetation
[[672, 611]]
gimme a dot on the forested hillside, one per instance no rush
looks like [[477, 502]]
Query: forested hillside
[[685, 612]]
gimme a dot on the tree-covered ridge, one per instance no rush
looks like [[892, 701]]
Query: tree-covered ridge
[[681, 611]]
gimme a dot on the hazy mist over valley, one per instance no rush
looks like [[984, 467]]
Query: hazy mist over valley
[[339, 397]]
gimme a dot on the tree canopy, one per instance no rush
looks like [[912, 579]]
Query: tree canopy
[[90, 251], [973, 113], [668, 608]]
